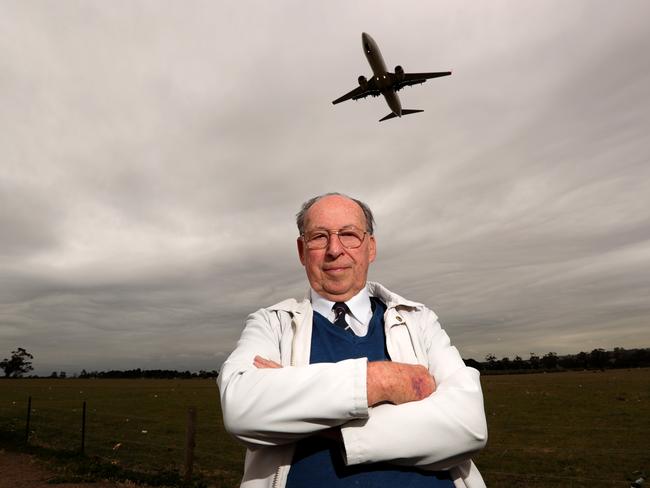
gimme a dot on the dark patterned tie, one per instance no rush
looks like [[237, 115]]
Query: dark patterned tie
[[340, 309]]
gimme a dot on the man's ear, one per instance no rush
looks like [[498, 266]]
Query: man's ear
[[301, 250], [372, 249]]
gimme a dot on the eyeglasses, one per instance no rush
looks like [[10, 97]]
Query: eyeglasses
[[319, 239]]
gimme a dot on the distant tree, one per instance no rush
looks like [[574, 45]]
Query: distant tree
[[549, 361], [640, 358], [505, 363], [19, 364], [491, 360], [569, 361], [54, 374], [621, 358], [534, 361], [598, 358], [62, 374], [518, 363], [582, 360]]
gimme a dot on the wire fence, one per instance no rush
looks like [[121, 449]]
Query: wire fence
[[178, 437]]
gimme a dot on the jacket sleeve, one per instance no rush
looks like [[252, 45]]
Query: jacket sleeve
[[267, 407], [439, 432]]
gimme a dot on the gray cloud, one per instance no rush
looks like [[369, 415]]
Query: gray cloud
[[154, 156]]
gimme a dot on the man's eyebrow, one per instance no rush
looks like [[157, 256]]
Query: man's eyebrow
[[345, 227]]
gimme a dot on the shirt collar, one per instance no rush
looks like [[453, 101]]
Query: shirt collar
[[359, 305]]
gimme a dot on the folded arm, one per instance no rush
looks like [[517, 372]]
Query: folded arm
[[386, 381], [438, 432], [265, 404], [268, 406]]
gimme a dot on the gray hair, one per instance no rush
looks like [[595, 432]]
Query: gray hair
[[300, 216]]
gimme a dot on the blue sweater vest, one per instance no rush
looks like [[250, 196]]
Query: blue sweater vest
[[318, 461]]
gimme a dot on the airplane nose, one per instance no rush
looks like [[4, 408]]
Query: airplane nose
[[366, 41]]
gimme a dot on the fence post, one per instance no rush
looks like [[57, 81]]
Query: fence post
[[29, 414], [190, 442], [83, 428]]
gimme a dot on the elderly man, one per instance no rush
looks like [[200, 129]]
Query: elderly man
[[354, 385]]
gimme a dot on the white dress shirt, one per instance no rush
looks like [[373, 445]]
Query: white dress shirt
[[360, 310]]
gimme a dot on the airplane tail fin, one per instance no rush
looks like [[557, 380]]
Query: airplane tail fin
[[405, 111]]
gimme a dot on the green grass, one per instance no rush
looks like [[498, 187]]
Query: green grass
[[131, 424], [565, 430], [586, 429]]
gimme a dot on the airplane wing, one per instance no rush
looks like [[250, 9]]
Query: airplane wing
[[418, 78], [357, 93]]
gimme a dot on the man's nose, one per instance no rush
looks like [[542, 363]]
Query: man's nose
[[334, 246]]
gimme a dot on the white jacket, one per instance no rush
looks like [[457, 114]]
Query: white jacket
[[270, 409]]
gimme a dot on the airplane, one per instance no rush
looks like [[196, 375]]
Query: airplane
[[384, 82]]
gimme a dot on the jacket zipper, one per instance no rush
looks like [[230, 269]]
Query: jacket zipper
[[275, 478], [280, 475]]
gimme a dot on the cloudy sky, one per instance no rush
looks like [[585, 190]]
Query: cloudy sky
[[153, 155]]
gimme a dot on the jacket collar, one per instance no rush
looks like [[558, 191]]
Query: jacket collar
[[392, 300], [292, 306]]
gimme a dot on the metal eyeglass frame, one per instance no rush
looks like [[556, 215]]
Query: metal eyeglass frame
[[329, 237]]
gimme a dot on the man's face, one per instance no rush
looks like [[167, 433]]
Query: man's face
[[336, 273]]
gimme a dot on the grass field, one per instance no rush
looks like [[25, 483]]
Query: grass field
[[587, 429], [145, 419]]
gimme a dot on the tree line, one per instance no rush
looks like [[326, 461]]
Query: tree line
[[148, 373], [20, 364], [551, 361], [137, 373]]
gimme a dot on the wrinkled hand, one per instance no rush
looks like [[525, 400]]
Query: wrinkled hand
[[398, 382], [262, 363]]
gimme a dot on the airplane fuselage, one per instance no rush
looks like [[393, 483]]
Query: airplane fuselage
[[380, 73]]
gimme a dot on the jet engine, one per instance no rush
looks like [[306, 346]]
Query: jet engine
[[363, 83], [399, 72]]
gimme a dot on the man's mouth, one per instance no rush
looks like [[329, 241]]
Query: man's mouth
[[337, 269]]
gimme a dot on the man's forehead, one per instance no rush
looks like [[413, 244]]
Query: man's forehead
[[335, 210]]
